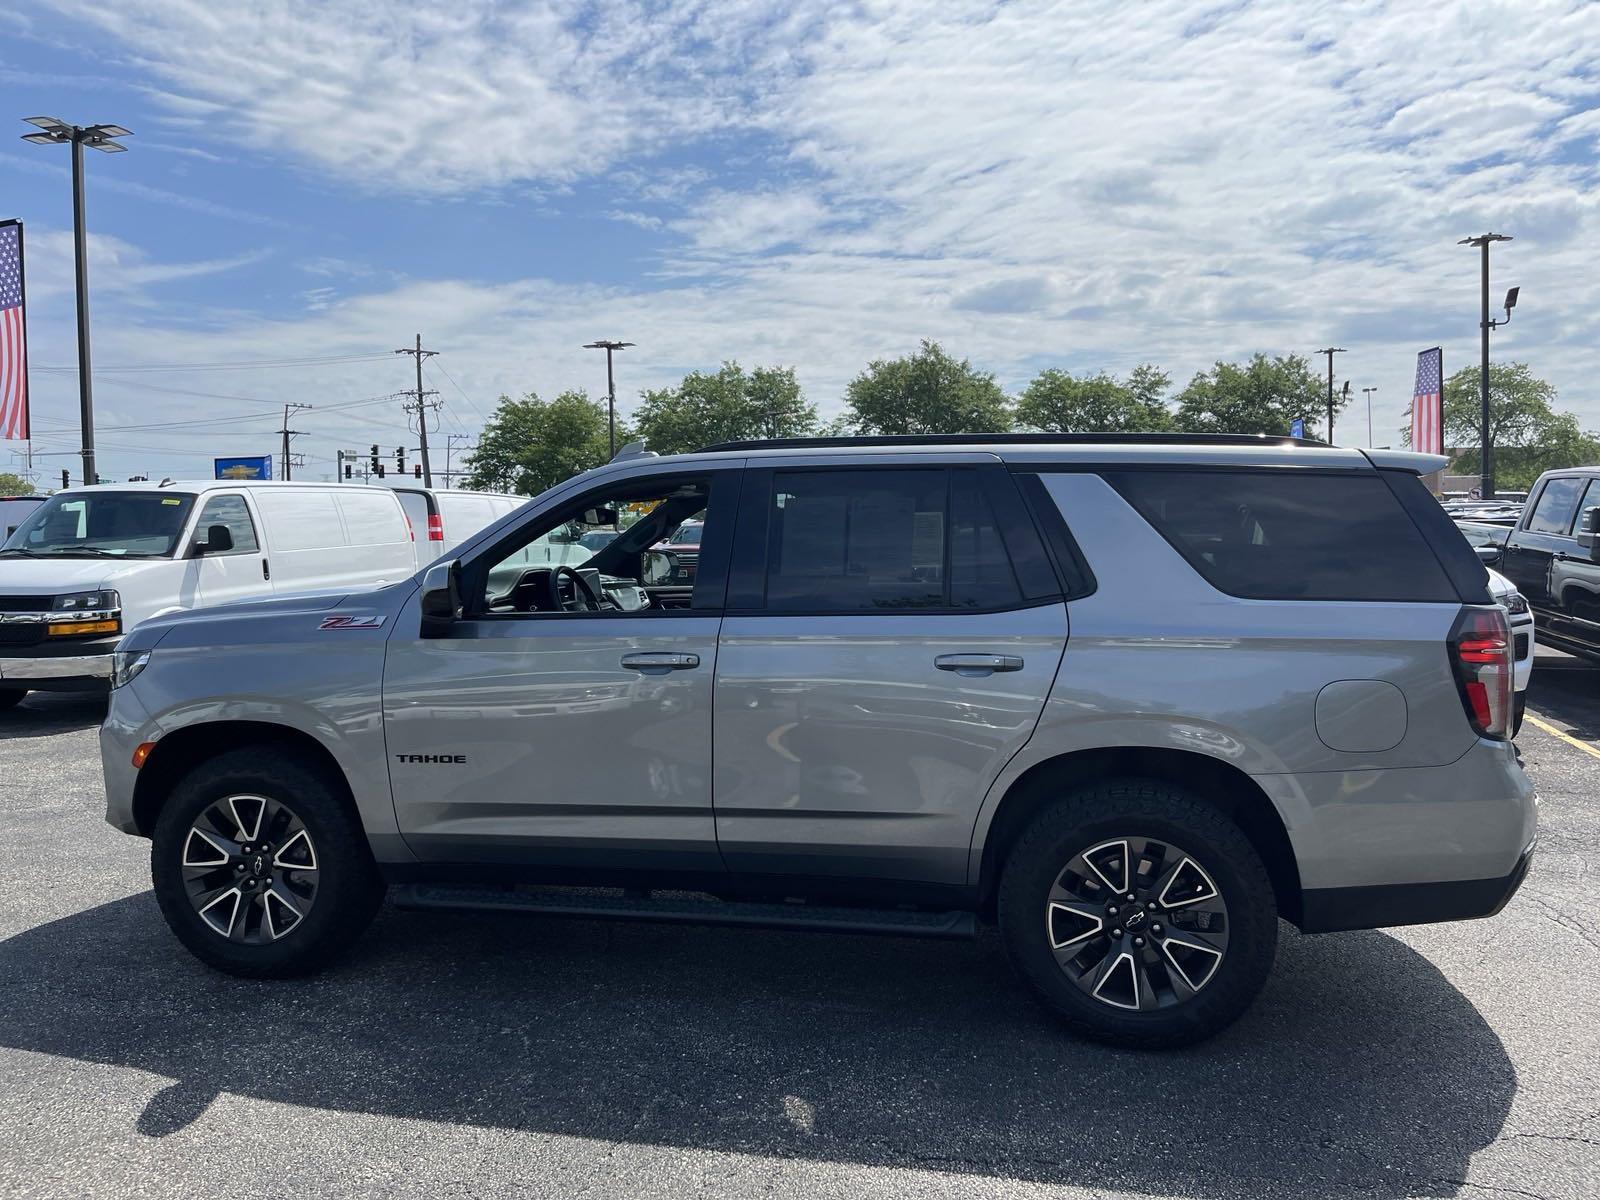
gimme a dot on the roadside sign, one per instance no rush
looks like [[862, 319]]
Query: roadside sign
[[256, 466]]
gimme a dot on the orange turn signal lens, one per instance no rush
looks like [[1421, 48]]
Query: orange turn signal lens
[[142, 753], [70, 628]]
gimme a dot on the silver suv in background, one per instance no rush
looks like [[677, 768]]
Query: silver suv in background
[[1128, 699]]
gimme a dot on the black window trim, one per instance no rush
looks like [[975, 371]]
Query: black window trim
[[1074, 576], [198, 532], [747, 574], [711, 571], [1184, 551]]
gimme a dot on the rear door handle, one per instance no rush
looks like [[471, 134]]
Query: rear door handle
[[266, 571], [660, 662], [975, 666]]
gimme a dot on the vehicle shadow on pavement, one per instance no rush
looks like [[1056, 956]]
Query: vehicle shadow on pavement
[[1361, 1071], [42, 714], [1568, 690]]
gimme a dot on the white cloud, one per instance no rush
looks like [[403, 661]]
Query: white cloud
[[1089, 186]]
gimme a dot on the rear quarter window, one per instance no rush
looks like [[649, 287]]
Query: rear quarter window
[[1290, 534]]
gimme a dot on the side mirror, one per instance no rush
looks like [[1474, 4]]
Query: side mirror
[[441, 597], [1489, 555], [1588, 527], [219, 540], [659, 567]]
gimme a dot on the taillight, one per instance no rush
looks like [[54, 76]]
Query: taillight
[[435, 527], [1481, 652]]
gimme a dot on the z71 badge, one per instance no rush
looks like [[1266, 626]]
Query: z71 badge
[[372, 622]]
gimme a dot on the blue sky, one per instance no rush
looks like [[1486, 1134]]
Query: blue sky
[[1085, 185]]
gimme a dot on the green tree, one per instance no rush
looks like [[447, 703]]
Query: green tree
[[729, 404], [1261, 396], [532, 444], [14, 485], [1058, 402], [1526, 432], [927, 392]]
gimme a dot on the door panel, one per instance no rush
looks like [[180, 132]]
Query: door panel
[[568, 756], [845, 748]]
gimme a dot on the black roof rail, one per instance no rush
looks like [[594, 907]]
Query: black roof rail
[[1017, 439]]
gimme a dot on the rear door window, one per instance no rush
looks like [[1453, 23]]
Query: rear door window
[[1557, 505], [1290, 534], [884, 539]]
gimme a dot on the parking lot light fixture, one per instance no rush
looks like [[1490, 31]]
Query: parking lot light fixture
[[54, 131], [610, 347]]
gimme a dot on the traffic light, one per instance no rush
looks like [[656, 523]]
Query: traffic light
[[64, 478], [400, 459], [348, 470], [376, 469], [416, 470]]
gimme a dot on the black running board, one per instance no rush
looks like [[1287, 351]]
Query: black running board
[[688, 911]]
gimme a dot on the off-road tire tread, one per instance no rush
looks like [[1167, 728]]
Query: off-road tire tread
[[349, 893], [1252, 910]]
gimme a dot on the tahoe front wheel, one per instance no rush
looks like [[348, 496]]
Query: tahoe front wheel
[[260, 867], [1139, 914]]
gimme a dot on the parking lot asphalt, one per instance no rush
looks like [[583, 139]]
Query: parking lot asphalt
[[458, 1056]]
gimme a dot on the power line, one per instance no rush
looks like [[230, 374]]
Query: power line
[[287, 433], [234, 365]]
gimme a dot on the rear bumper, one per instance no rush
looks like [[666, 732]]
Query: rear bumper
[[1328, 910]]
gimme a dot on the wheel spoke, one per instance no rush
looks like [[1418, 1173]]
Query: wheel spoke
[[278, 922], [1109, 861], [297, 853], [1117, 983], [248, 814], [1190, 884], [1070, 924], [222, 913], [202, 849], [1193, 961]]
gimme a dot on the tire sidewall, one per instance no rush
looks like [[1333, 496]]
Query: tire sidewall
[[1222, 851]]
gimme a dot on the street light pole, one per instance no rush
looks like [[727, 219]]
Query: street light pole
[[1486, 450], [610, 347], [1369, 392], [1330, 351], [54, 131]]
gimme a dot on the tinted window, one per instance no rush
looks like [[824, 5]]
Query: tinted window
[[980, 570], [1591, 499], [1558, 502], [1290, 535], [232, 512], [876, 540]]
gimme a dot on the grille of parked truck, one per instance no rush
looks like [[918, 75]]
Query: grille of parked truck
[[1129, 700]]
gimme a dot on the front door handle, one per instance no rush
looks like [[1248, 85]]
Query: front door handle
[[660, 662], [976, 666]]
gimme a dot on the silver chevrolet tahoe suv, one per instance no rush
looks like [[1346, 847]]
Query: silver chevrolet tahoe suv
[[1128, 700]]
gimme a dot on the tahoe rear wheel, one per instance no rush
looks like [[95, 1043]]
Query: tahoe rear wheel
[[260, 867], [1139, 914]]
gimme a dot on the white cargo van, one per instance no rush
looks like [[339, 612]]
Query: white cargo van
[[90, 563], [443, 518]]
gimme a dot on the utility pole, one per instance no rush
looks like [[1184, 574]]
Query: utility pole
[[1486, 451], [610, 347], [420, 406], [288, 462], [54, 131], [1369, 392], [450, 440], [1330, 351]]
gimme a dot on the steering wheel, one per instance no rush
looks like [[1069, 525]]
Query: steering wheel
[[584, 597]]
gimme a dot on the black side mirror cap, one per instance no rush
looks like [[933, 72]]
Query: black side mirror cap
[[441, 597]]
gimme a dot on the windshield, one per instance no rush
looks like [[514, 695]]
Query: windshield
[[103, 525], [689, 535]]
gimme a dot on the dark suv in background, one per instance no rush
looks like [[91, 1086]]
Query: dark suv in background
[[1553, 557]]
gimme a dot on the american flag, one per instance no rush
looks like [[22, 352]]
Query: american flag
[[1427, 407], [13, 335]]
